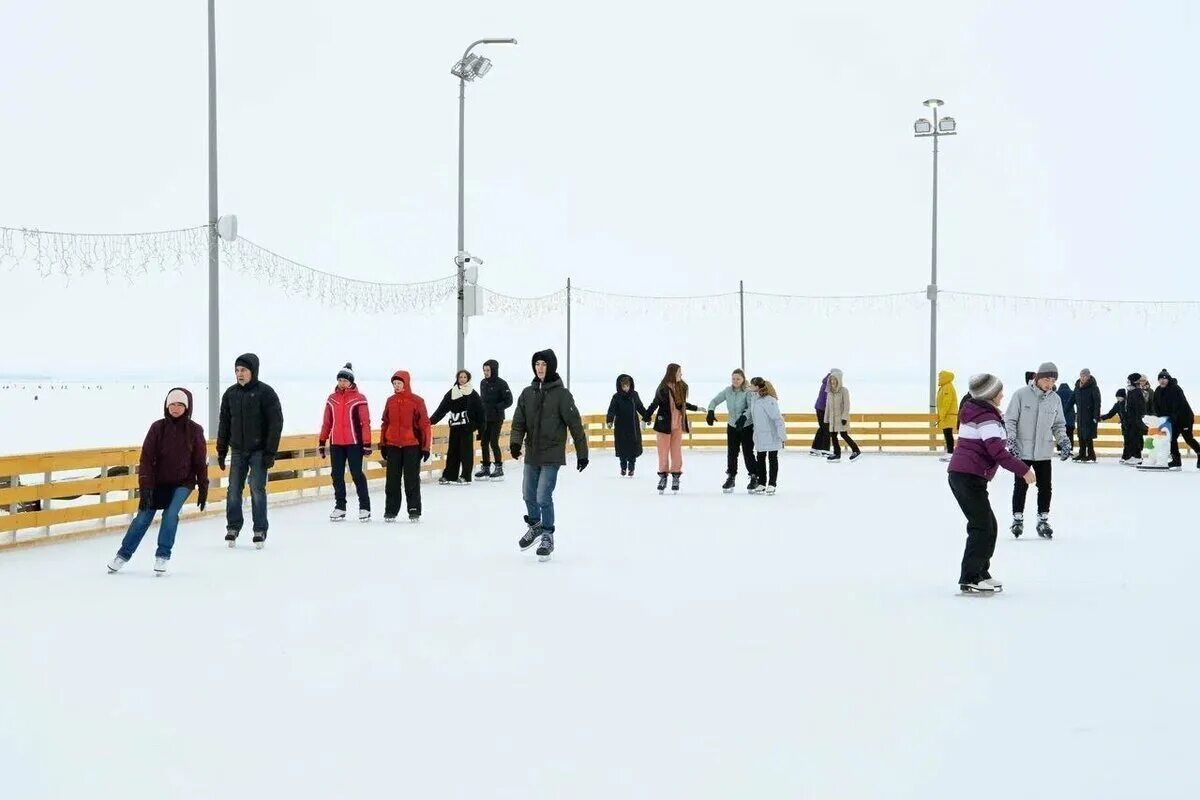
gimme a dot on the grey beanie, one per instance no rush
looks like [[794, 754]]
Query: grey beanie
[[1085, 373], [1047, 370], [985, 386]]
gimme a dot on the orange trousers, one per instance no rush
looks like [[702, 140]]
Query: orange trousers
[[670, 451]]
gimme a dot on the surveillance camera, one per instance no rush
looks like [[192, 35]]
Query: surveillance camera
[[465, 259]]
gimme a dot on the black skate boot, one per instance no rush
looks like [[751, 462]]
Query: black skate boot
[[414, 515], [662, 482], [547, 545], [231, 537], [497, 472], [727, 487], [1017, 527], [631, 470], [484, 472], [752, 485], [675, 481], [1043, 527], [260, 539], [531, 536]]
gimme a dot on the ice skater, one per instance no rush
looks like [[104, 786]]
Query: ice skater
[[770, 435], [982, 448], [346, 435], [496, 397], [947, 410], [820, 444], [625, 413], [1171, 402], [465, 408], [1067, 395], [1087, 400], [1035, 427], [1130, 408], [174, 460], [251, 424], [404, 444], [739, 429], [544, 414], [670, 424], [837, 415]]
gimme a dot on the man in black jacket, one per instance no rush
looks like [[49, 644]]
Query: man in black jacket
[[251, 424], [1170, 401], [496, 397], [544, 414]]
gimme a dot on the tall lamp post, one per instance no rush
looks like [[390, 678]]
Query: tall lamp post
[[468, 68], [935, 129], [214, 253]]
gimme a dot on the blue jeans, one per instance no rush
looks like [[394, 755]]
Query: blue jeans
[[538, 491], [241, 464], [166, 530]]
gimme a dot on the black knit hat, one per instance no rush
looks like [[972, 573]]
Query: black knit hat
[[1134, 377], [346, 372], [1164, 374], [1121, 393]]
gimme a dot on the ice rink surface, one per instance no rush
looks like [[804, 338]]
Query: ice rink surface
[[807, 645]]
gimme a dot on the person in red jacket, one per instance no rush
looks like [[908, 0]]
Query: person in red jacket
[[347, 429], [174, 461], [404, 441]]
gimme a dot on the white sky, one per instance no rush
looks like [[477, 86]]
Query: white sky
[[641, 147]]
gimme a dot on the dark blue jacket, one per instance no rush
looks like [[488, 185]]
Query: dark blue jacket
[[1068, 400]]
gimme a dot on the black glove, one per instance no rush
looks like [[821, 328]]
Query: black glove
[[268, 460], [581, 464], [711, 418], [145, 499], [221, 461], [366, 450], [383, 453], [843, 423], [741, 423], [202, 498], [321, 449], [516, 452], [424, 455]]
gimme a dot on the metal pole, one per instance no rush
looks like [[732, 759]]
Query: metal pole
[[742, 320], [214, 253], [462, 313], [568, 333], [933, 290]]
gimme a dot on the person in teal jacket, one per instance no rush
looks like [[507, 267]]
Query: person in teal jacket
[[739, 433]]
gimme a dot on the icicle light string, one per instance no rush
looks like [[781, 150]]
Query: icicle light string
[[116, 255], [662, 307], [500, 304]]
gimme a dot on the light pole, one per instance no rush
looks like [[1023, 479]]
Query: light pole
[[468, 68], [214, 253], [936, 129]]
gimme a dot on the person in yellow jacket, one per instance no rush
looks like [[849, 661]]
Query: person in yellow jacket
[[947, 410]]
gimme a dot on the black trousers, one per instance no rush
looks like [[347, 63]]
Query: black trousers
[[1133, 445], [821, 440], [948, 433], [770, 457], [971, 492], [341, 455], [1186, 433], [1041, 470], [837, 448], [1087, 448], [739, 440], [627, 464], [460, 454], [1071, 435], [403, 477], [490, 447]]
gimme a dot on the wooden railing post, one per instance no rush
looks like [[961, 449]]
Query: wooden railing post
[[48, 478]]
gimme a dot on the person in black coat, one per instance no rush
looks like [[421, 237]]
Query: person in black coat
[[1087, 416], [1130, 407], [1171, 402], [250, 425], [625, 413], [1067, 396], [496, 397], [465, 408]]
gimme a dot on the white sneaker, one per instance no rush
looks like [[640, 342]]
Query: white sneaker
[[116, 564], [160, 566], [946, 457], [1133, 462], [364, 515], [337, 515]]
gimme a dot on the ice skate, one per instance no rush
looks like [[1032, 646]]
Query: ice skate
[[752, 485], [1133, 462], [1043, 528], [442, 481], [770, 490], [727, 487], [995, 584], [260, 539], [979, 587], [662, 482], [337, 515], [497, 472], [531, 535], [675, 482], [546, 548], [484, 472], [631, 470], [414, 516], [833, 459], [945, 457], [160, 567], [231, 537], [386, 518], [624, 472], [115, 565], [364, 515], [856, 455], [1017, 527]]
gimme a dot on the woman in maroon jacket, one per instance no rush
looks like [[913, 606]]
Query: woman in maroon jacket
[[981, 449], [174, 461]]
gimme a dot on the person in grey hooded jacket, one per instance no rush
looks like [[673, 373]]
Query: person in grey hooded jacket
[[770, 434], [1036, 430]]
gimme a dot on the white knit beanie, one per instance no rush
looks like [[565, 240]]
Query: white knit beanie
[[178, 396]]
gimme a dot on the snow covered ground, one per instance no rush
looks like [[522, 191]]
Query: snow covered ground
[[809, 645]]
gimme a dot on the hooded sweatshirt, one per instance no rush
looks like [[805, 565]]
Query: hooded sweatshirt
[[494, 393], [982, 442], [837, 403], [544, 414], [174, 453], [821, 397], [770, 431], [347, 419], [405, 420], [251, 416], [947, 401]]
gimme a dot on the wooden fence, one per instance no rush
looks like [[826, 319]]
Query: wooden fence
[[64, 495]]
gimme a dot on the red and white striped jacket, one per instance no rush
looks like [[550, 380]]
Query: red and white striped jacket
[[347, 419]]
